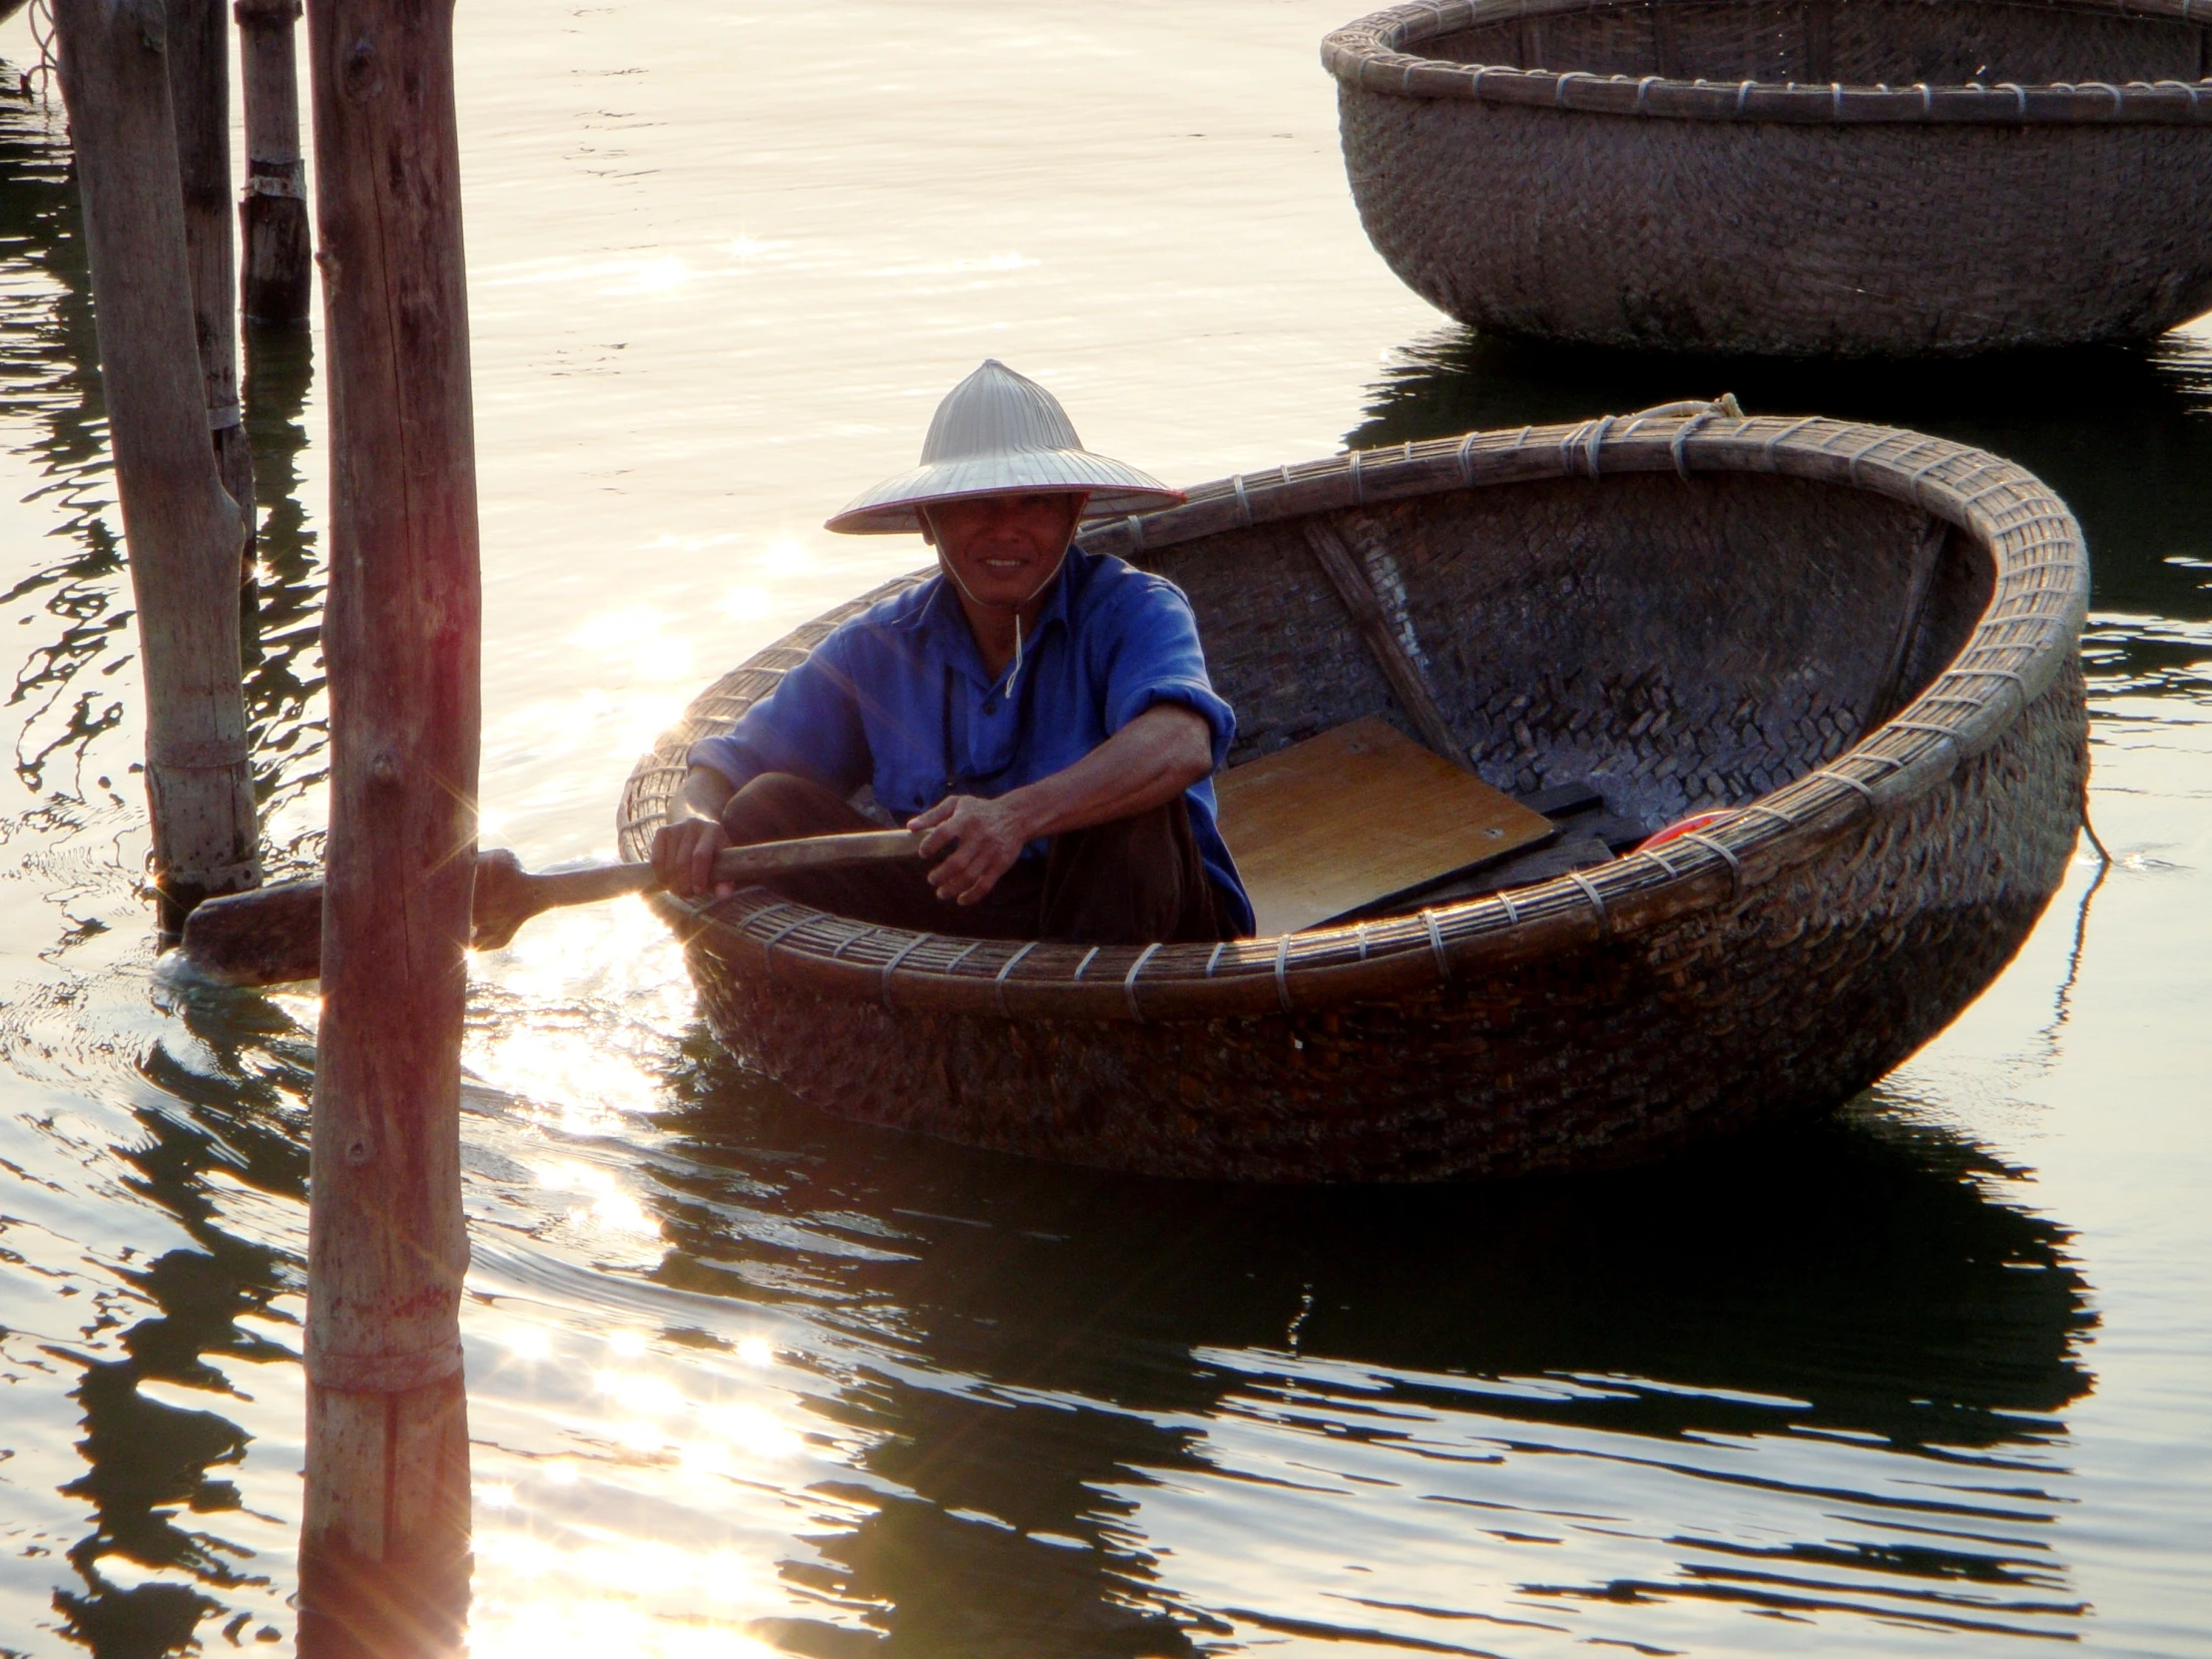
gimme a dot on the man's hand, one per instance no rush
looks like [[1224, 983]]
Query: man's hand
[[684, 857], [973, 844], [684, 850]]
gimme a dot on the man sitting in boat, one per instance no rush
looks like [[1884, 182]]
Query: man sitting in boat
[[1043, 713]]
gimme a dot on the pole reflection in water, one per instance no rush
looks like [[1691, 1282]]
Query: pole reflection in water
[[283, 676], [215, 1317], [48, 368]]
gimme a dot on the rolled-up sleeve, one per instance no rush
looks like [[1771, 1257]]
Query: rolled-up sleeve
[[1156, 658], [808, 726]]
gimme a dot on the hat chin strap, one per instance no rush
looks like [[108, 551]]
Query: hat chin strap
[[944, 564]]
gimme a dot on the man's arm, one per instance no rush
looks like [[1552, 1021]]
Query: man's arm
[[809, 725], [684, 848], [1149, 762]]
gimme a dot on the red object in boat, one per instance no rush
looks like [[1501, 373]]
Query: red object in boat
[[1683, 827]]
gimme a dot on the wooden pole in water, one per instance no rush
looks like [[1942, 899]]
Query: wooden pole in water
[[199, 96], [181, 528], [273, 215], [384, 1540]]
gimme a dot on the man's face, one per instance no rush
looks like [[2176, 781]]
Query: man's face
[[1003, 547]]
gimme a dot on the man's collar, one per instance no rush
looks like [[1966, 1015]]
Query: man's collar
[[942, 621]]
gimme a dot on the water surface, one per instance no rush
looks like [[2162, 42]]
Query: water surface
[[1931, 1377]]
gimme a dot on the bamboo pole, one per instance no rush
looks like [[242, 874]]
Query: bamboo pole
[[200, 97], [385, 1538], [272, 214], [181, 529]]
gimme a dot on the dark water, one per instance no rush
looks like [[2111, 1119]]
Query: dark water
[[1932, 1376]]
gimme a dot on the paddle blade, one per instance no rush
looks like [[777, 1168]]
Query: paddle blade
[[270, 936]]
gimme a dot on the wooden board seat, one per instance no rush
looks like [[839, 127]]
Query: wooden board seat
[[1359, 814]]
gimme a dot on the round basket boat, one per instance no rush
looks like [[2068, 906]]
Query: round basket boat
[[1822, 177], [1863, 640]]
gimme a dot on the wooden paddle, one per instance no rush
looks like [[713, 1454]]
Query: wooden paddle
[[274, 935]]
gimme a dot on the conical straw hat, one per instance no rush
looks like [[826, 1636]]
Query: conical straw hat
[[995, 434]]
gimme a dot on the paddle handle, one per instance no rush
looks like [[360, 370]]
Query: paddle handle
[[274, 935], [733, 863]]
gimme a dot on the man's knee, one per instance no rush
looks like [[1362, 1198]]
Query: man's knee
[[1142, 839], [780, 806]]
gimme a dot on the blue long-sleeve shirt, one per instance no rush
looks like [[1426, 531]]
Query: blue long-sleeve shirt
[[898, 697]]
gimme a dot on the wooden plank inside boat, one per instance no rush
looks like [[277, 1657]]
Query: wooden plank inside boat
[[1356, 815]]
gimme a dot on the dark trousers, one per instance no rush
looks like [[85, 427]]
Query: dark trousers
[[1136, 880]]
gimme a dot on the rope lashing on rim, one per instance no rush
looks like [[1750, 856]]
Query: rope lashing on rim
[[1129, 981], [998, 985], [1584, 438], [1848, 781], [900, 956], [1678, 448], [1780, 816], [1596, 898], [768, 945], [1735, 865], [1788, 432], [1927, 727], [1858, 455]]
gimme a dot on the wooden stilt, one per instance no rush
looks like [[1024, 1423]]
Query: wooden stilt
[[273, 215], [200, 98], [181, 528], [384, 1541]]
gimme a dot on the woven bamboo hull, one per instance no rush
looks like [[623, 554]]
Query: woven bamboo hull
[[1784, 1005], [1729, 637], [1577, 219]]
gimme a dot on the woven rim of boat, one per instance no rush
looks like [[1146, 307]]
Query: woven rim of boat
[[1370, 54], [2025, 633]]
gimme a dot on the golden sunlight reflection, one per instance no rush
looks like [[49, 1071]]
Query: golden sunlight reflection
[[607, 1594], [646, 1396], [746, 602], [756, 1351], [788, 556], [543, 743], [658, 275], [637, 637], [708, 1437], [580, 1079], [753, 1430], [617, 952]]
